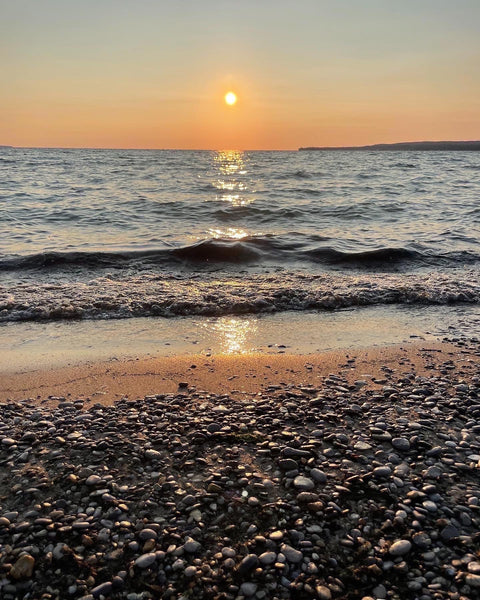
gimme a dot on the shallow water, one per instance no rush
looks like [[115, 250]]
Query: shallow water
[[32, 345], [128, 233]]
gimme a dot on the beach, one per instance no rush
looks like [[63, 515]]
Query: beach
[[239, 301], [239, 375], [346, 474]]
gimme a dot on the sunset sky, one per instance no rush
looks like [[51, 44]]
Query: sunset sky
[[154, 73]]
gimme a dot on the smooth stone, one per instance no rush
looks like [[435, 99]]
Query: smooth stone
[[192, 546], [449, 532], [196, 515], [214, 427], [382, 472], [147, 534], [474, 567], [214, 488], [303, 483], [145, 560], [362, 447], [380, 592], [249, 563], [472, 580], [190, 571], [400, 547], [307, 497], [103, 589], [318, 476], [267, 558], [248, 588], [422, 540], [295, 453], [433, 472], [323, 592], [150, 453], [401, 444], [430, 506], [292, 555], [288, 464], [23, 567], [93, 480]]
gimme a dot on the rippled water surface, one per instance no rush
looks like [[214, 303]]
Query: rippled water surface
[[119, 233]]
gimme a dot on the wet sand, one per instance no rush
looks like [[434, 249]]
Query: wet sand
[[107, 381]]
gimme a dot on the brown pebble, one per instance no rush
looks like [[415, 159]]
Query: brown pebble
[[23, 568]]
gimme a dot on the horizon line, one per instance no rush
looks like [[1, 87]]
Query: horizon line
[[230, 149], [149, 149]]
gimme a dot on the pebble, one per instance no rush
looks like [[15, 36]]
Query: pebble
[[472, 580], [248, 588], [362, 447], [323, 592], [292, 555], [267, 558], [382, 472], [318, 476], [303, 483], [23, 567], [249, 563], [145, 560], [192, 546], [400, 547], [401, 444]]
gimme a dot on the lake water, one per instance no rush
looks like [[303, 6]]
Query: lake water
[[103, 234]]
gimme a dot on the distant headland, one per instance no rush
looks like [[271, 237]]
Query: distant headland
[[472, 146]]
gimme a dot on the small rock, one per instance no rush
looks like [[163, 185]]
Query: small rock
[[323, 592], [400, 547], [449, 532], [191, 546], [401, 444], [318, 476], [472, 580], [292, 555], [249, 563], [267, 558], [145, 560], [361, 447], [248, 588], [382, 472], [23, 567], [150, 453], [103, 589], [303, 483]]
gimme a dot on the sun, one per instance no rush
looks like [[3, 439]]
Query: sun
[[230, 98]]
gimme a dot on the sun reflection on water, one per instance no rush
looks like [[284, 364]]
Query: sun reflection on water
[[233, 333], [230, 168], [232, 233]]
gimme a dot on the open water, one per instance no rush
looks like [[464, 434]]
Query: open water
[[102, 234]]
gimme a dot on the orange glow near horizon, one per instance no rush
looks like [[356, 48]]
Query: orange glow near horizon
[[154, 75]]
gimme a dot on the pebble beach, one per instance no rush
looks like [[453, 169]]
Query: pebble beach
[[221, 375], [352, 487]]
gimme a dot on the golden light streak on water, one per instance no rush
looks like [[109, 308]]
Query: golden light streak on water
[[233, 333]]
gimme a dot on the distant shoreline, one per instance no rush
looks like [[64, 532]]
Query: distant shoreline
[[422, 146], [430, 146]]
